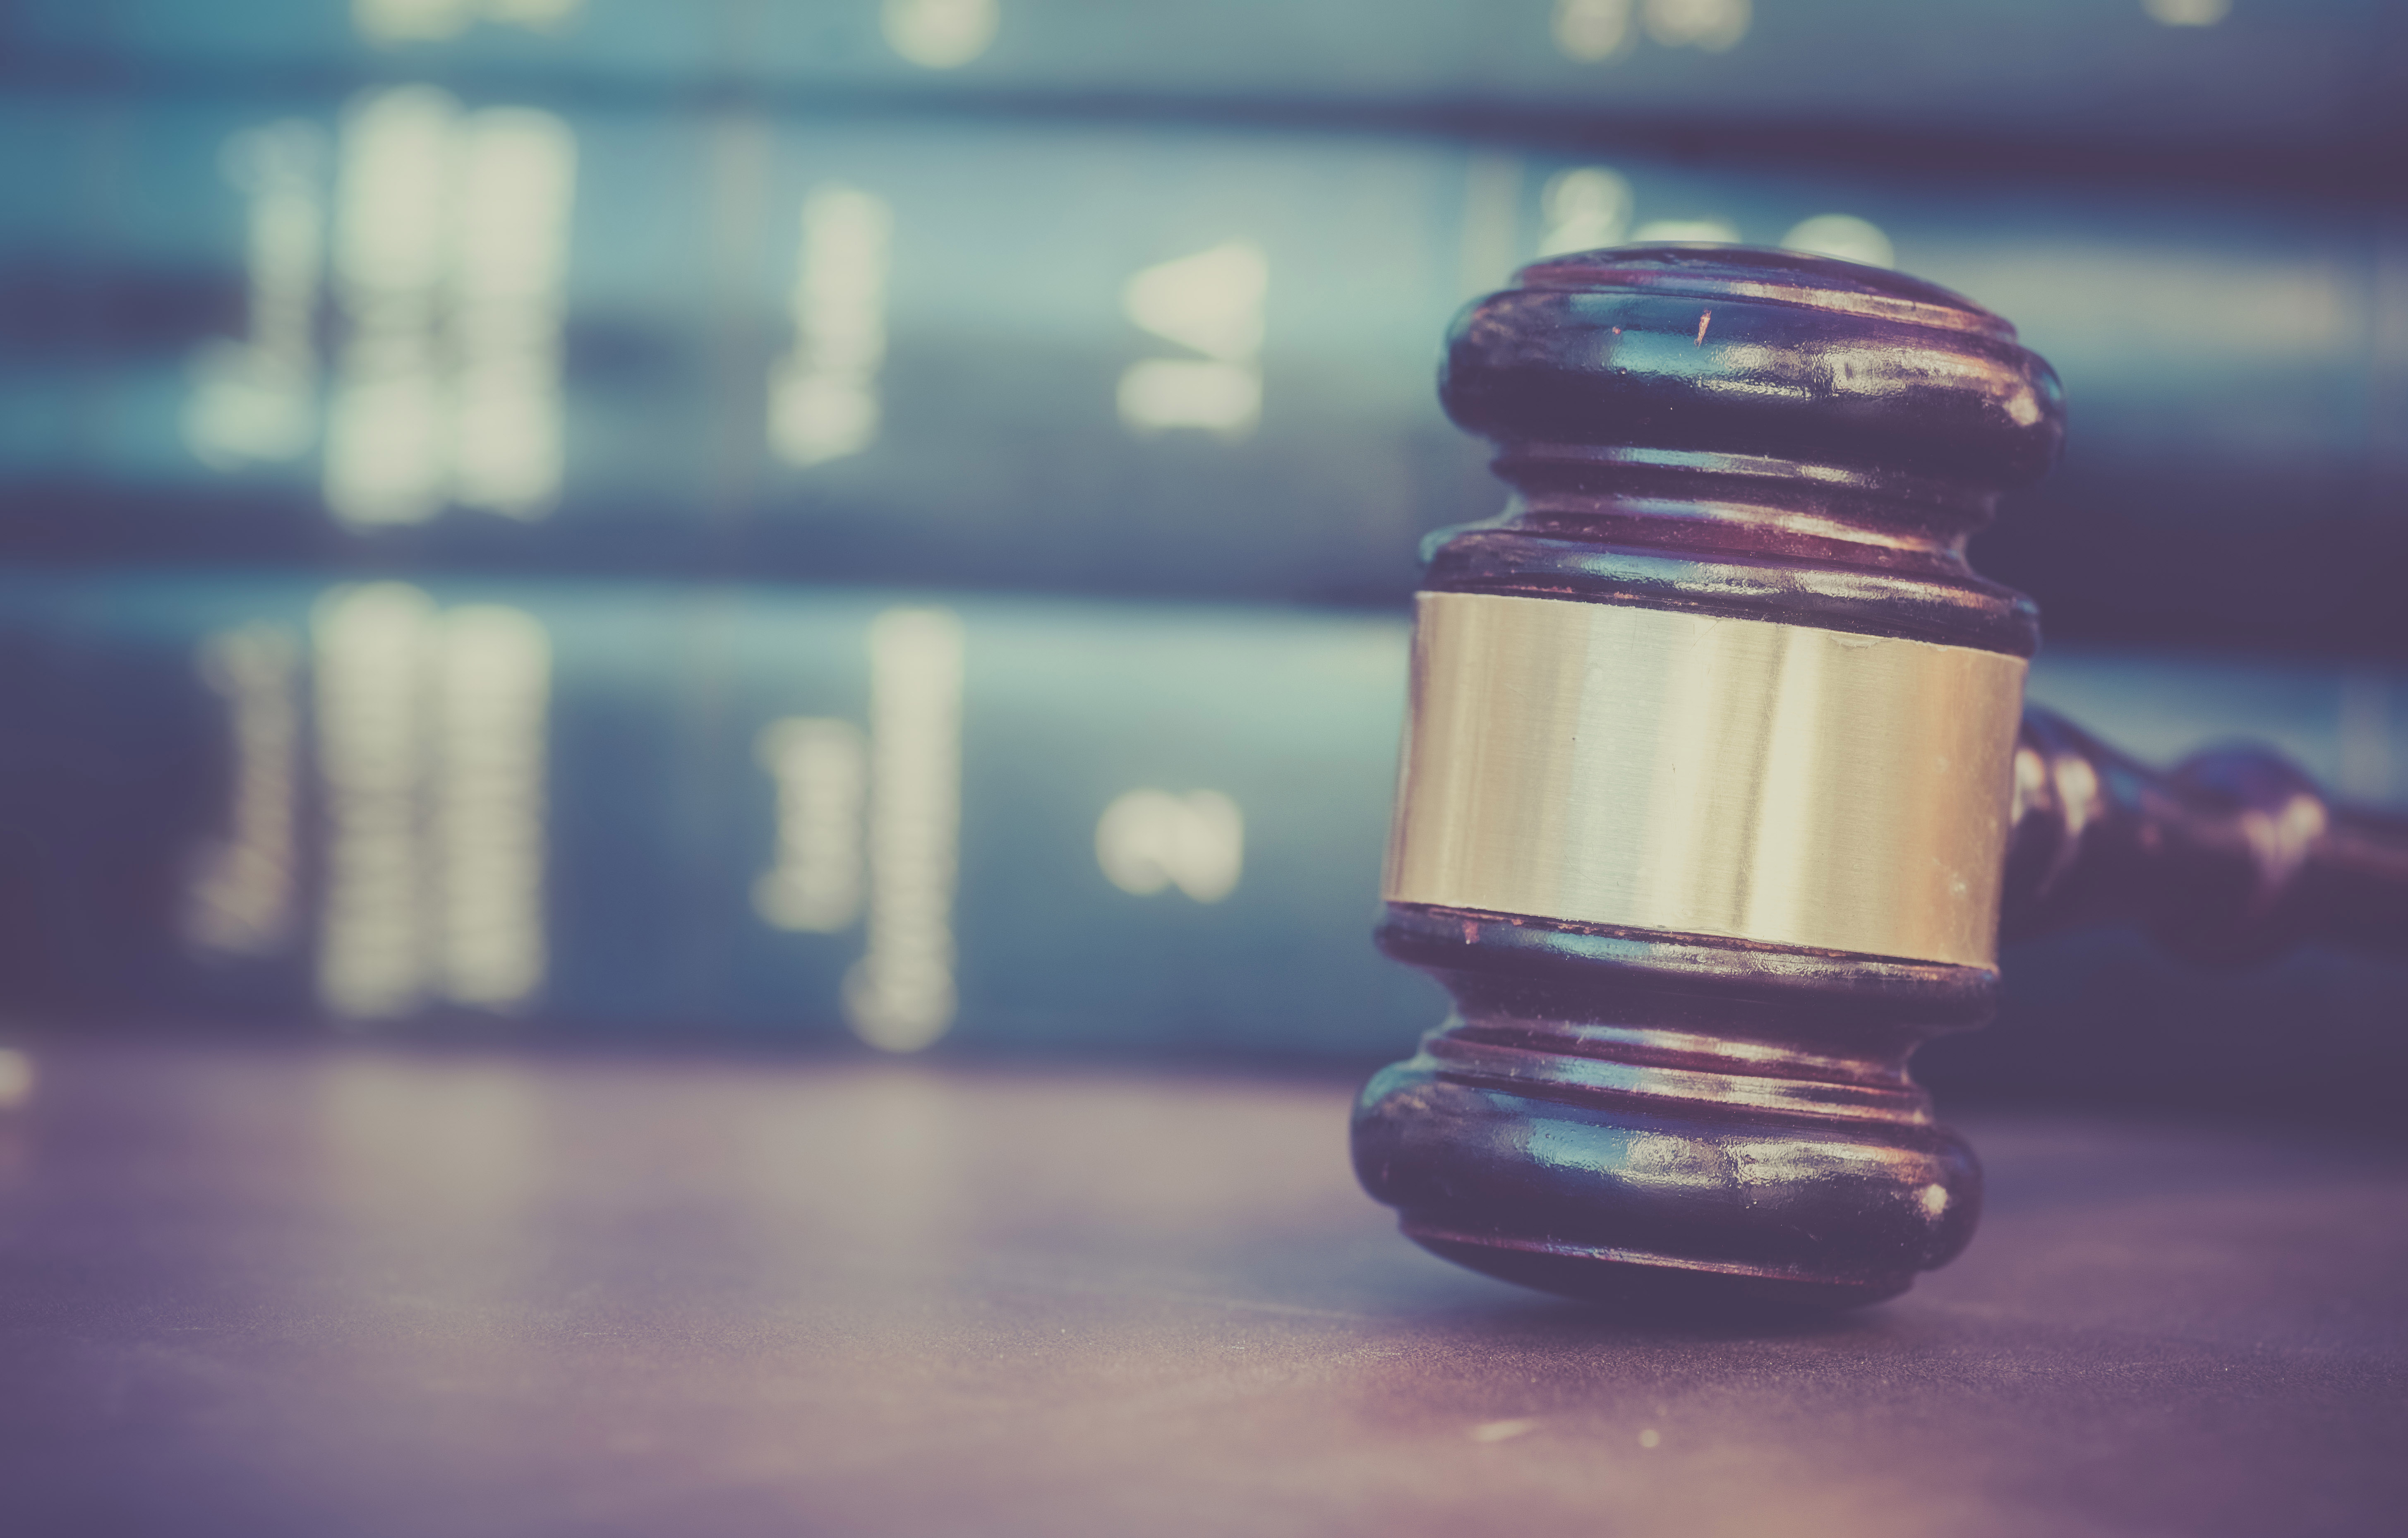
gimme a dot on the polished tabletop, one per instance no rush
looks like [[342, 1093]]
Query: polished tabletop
[[329, 1290]]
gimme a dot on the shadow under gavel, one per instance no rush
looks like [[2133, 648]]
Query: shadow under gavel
[[1718, 787]]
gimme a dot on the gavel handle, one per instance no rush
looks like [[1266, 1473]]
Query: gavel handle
[[2232, 856]]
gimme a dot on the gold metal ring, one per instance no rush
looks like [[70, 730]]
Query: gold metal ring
[[1658, 769]]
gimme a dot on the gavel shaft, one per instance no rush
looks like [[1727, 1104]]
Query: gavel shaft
[[2231, 858]]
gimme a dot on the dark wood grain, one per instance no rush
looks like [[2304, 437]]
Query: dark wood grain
[[2231, 857]]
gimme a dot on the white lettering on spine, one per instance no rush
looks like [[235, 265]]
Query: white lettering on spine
[[822, 770], [1148, 839], [1212, 302], [241, 901], [255, 399], [824, 395], [432, 748], [900, 995], [939, 34], [450, 254]]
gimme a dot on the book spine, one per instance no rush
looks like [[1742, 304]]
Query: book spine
[[2201, 76], [648, 810], [622, 807], [1177, 361]]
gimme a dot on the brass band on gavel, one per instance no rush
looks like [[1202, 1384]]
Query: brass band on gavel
[[1653, 769]]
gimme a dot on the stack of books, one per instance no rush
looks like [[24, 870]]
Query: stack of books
[[894, 520]]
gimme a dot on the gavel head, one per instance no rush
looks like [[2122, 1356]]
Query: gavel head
[[1706, 785]]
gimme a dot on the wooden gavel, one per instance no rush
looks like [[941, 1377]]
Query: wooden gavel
[[1718, 786]]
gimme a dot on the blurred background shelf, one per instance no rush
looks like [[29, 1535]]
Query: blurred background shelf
[[2246, 84], [463, 463], [622, 810]]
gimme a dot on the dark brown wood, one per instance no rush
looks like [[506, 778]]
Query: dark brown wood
[[1685, 1121], [1823, 462], [2231, 857]]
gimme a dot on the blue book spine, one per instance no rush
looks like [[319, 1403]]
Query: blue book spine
[[2202, 77], [420, 330], [654, 809], [648, 808]]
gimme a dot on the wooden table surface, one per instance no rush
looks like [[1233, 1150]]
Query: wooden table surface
[[315, 1290]]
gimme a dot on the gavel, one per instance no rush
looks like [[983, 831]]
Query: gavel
[[1718, 786]]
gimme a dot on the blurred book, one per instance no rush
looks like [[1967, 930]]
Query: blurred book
[[653, 811], [412, 329], [652, 808], [407, 408], [2249, 84]]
